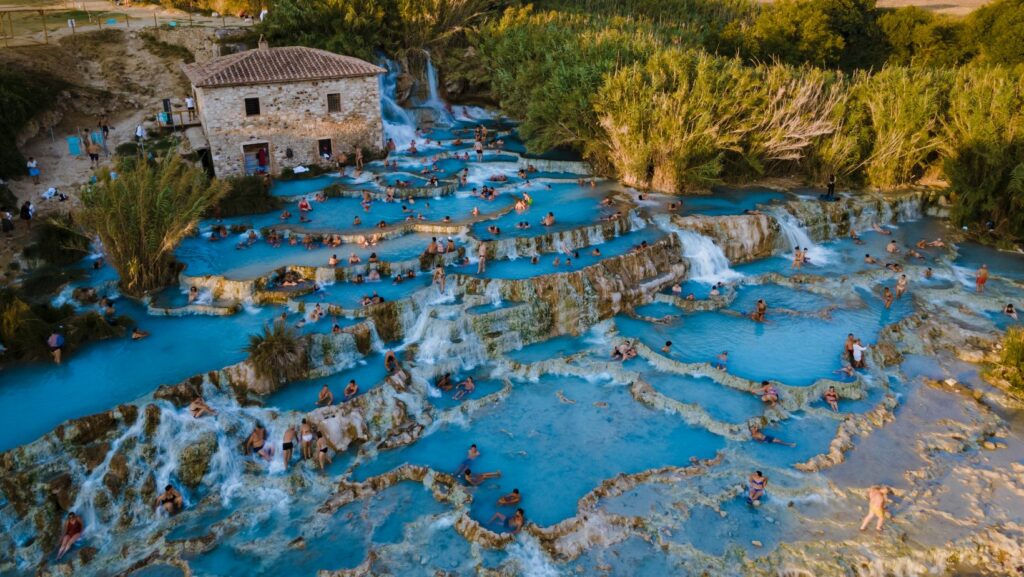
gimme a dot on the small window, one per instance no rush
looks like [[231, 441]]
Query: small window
[[252, 106], [334, 102]]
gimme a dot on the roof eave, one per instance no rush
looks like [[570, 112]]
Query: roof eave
[[201, 84]]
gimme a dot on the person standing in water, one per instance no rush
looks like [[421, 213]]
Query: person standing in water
[[306, 437], [887, 297], [439, 277], [481, 266], [831, 187], [288, 445], [981, 279], [877, 499], [56, 343], [760, 311], [901, 285], [390, 361], [322, 457], [73, 529], [351, 389]]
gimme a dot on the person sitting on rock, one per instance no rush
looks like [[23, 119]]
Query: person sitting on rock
[[832, 398], [198, 407], [73, 529], [171, 500]]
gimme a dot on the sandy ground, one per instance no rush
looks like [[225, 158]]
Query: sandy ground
[[120, 79]]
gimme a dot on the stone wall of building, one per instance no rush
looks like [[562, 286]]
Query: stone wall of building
[[292, 116]]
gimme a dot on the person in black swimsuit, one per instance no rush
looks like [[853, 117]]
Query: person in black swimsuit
[[288, 444]]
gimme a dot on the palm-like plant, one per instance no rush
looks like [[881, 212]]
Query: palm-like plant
[[278, 353], [142, 215]]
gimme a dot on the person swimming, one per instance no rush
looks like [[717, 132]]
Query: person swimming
[[351, 389], [722, 361], [477, 480], [510, 499], [1010, 311]]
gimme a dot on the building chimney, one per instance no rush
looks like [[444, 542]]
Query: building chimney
[[262, 44]]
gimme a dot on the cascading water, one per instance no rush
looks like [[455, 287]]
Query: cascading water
[[434, 102], [399, 126], [794, 235], [707, 260]]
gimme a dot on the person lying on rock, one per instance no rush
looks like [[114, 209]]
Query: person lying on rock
[[73, 529]]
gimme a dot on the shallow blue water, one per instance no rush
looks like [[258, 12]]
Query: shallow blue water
[[572, 205], [730, 201], [796, 350], [523, 266], [301, 395], [623, 436], [104, 374], [722, 403]]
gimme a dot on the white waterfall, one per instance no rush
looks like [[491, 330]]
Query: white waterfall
[[434, 102], [707, 260], [794, 235], [399, 126], [493, 292]]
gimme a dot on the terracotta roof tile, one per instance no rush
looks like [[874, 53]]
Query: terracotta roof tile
[[277, 65]]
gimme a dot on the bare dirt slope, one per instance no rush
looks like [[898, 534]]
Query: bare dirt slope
[[109, 73]]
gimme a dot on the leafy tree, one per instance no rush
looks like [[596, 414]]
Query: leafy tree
[[917, 36], [141, 215], [998, 31], [825, 33]]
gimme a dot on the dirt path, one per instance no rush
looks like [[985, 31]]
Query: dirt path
[[119, 78]]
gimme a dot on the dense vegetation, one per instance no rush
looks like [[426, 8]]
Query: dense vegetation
[[683, 94], [23, 94], [1009, 368], [25, 326], [141, 215]]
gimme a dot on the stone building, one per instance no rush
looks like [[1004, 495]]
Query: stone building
[[268, 109]]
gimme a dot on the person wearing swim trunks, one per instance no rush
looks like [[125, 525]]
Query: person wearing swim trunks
[[288, 445], [326, 397], [306, 437], [832, 398], [351, 389], [171, 500], [758, 435], [756, 485], [981, 279], [471, 455], [722, 361], [877, 499], [464, 388], [56, 343], [257, 443], [514, 523], [481, 266], [322, 457], [477, 480], [848, 347]]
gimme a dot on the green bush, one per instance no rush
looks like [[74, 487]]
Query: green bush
[[24, 327], [7, 199], [919, 37], [23, 94], [166, 49], [246, 195], [997, 29], [58, 241]]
